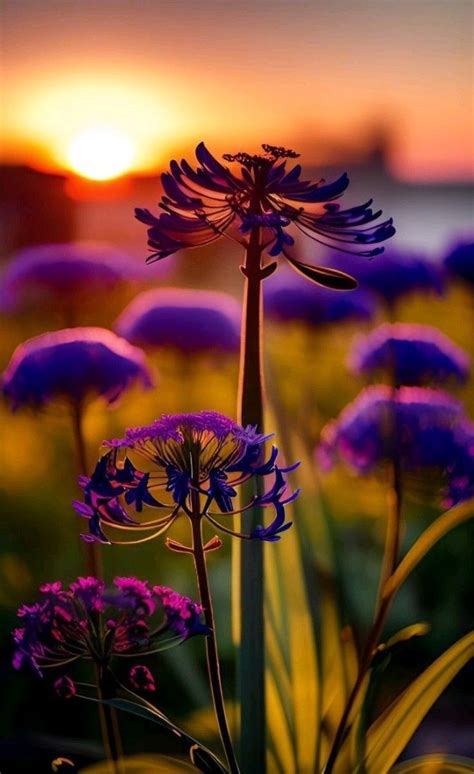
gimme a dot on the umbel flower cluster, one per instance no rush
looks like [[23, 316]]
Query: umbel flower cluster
[[410, 354], [191, 464], [200, 205], [89, 621], [425, 429]]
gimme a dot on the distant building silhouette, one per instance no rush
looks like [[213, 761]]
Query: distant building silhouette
[[34, 208]]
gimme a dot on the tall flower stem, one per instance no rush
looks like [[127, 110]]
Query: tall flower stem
[[93, 556], [251, 585], [213, 664], [107, 715], [389, 563], [108, 719]]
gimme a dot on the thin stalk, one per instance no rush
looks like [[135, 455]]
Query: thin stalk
[[94, 564], [108, 719], [389, 563], [251, 675], [107, 715], [213, 664]]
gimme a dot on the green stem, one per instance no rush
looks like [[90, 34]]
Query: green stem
[[213, 664], [389, 564], [93, 556], [108, 718], [107, 715], [251, 589]]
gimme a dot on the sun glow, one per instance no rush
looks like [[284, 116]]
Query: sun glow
[[100, 153]]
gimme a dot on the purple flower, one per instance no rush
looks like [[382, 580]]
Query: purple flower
[[89, 621], [287, 297], [182, 614], [200, 205], [187, 320], [186, 455], [393, 276], [71, 274], [73, 365], [411, 355], [142, 679], [459, 261], [425, 429]]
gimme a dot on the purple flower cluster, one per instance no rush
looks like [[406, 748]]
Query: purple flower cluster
[[187, 320], [89, 621], [186, 456], [425, 429], [200, 205], [72, 365], [73, 272], [410, 354], [396, 274], [459, 262], [287, 297]]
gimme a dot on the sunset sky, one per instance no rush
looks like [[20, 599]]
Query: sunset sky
[[318, 76]]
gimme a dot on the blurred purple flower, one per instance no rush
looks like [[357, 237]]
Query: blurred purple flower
[[410, 354], [201, 205], [64, 626], [288, 297], [73, 273], [396, 274], [459, 261], [187, 320], [205, 452], [73, 365], [426, 430], [142, 679]]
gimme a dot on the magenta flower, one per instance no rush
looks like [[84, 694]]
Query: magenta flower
[[88, 621], [200, 205], [72, 365], [410, 354], [187, 320], [71, 274], [142, 679], [425, 429]]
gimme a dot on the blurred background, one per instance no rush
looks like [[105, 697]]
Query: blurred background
[[96, 99]]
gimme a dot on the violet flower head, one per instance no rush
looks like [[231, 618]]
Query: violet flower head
[[74, 273], [186, 460], [395, 275], [260, 194], [287, 297], [409, 354], [459, 262], [89, 621], [425, 429], [187, 320], [72, 365]]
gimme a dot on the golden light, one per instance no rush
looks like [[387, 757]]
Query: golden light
[[100, 153]]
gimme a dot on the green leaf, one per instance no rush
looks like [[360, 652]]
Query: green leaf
[[201, 757], [293, 684], [414, 630], [426, 541], [392, 731], [435, 764]]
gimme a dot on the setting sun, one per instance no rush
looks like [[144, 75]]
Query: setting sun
[[100, 153]]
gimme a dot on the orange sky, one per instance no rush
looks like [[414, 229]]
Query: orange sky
[[306, 74]]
